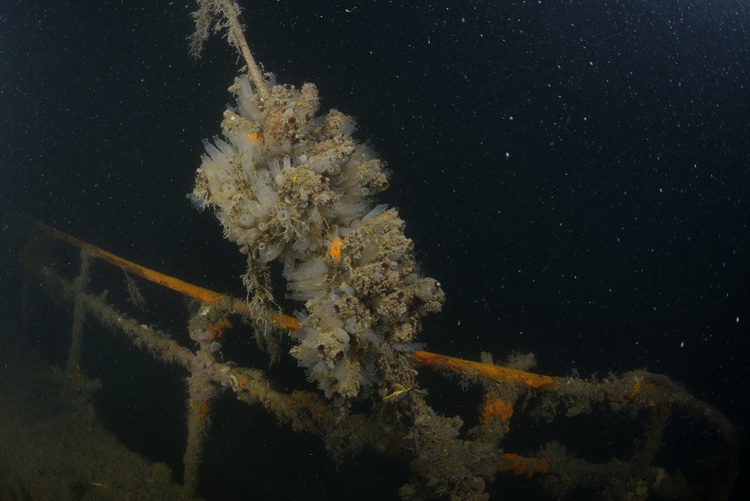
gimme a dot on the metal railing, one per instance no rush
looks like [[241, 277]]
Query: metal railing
[[444, 460]]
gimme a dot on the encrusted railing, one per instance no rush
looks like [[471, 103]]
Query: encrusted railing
[[445, 460]]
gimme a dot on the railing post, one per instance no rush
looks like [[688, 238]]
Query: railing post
[[202, 390], [73, 370]]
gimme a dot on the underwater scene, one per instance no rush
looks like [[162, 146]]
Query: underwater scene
[[374, 250]]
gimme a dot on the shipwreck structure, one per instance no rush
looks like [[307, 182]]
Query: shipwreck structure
[[291, 186]]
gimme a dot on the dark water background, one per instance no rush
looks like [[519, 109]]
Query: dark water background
[[576, 174]]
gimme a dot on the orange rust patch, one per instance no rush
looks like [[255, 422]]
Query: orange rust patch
[[496, 408], [243, 381], [200, 409], [217, 331], [520, 465]]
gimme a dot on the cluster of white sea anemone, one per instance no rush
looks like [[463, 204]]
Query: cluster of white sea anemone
[[293, 186]]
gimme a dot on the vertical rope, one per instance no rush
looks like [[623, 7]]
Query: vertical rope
[[231, 11]]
